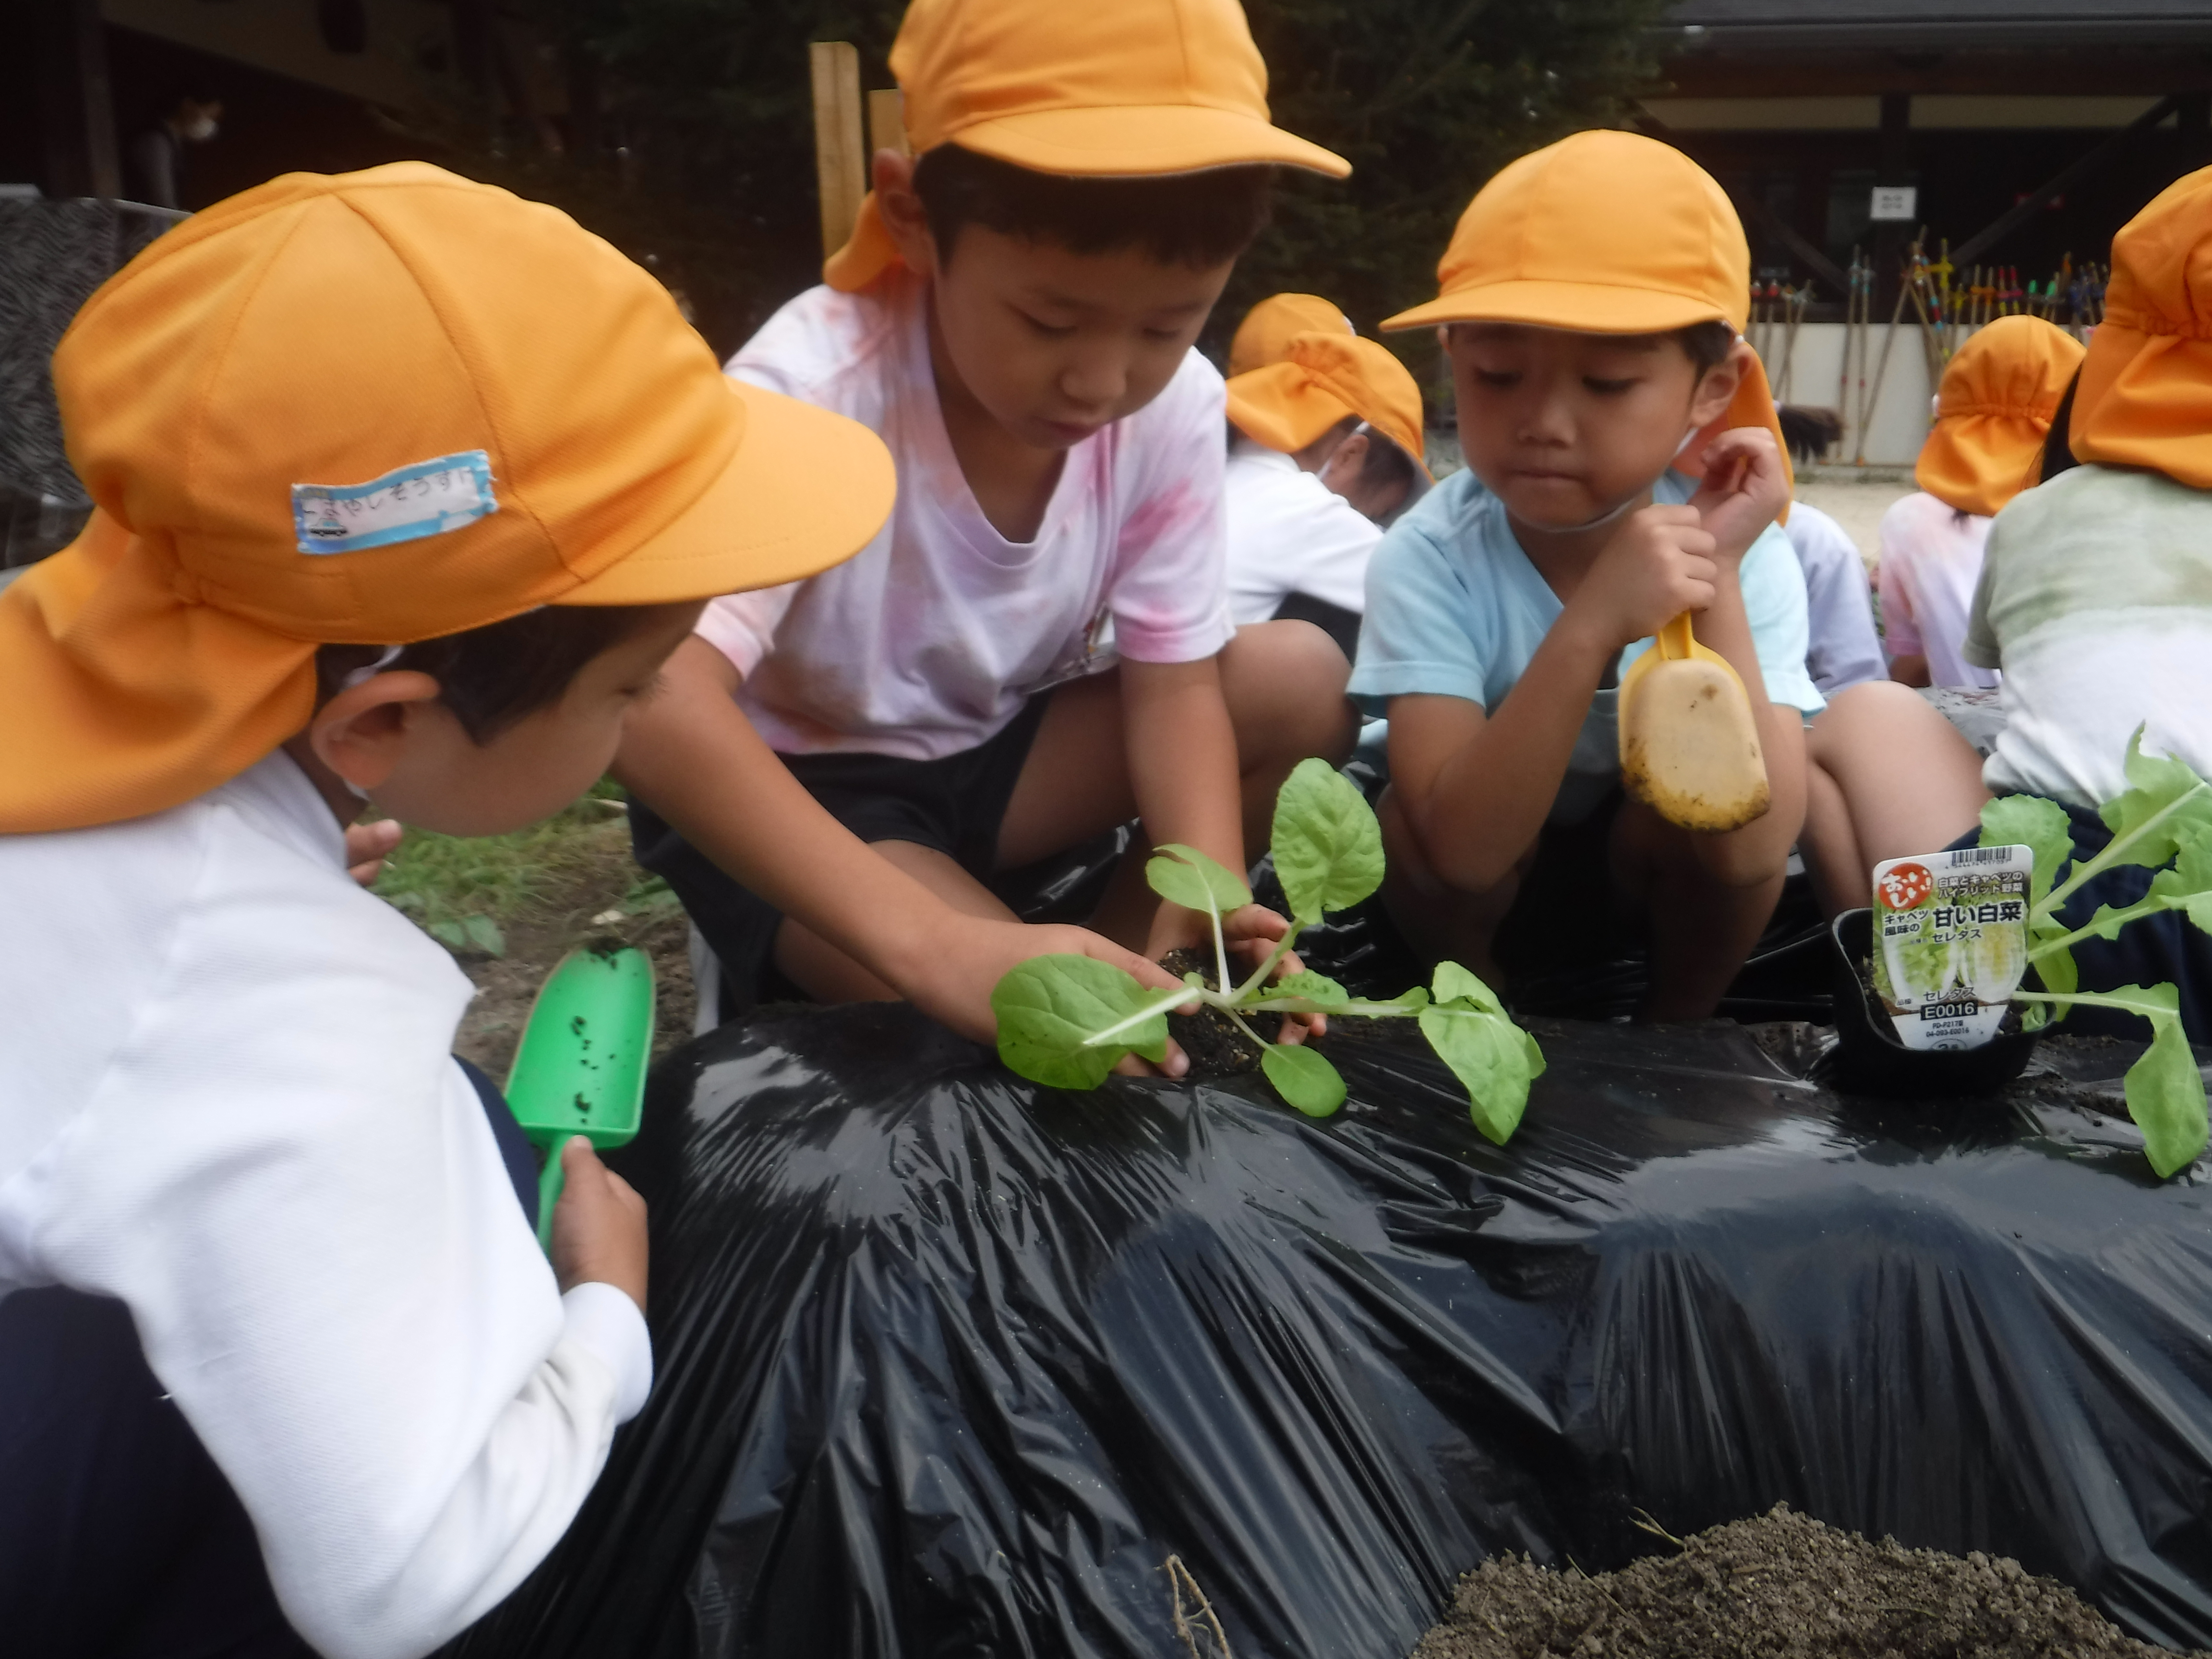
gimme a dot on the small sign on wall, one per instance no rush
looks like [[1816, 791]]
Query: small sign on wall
[[1892, 203]]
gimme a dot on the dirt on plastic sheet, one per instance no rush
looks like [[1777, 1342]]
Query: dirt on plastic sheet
[[1781, 1585]]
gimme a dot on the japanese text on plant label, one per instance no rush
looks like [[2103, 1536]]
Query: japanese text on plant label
[[1950, 942]]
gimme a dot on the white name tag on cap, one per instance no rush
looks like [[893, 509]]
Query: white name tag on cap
[[427, 499]]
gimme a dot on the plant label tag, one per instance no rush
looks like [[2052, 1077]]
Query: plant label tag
[[1950, 942], [427, 499]]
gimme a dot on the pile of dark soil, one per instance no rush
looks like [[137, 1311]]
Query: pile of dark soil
[[1781, 1585], [1210, 1037]]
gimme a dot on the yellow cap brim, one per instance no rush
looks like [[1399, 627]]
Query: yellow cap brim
[[1585, 308], [806, 490], [1136, 140]]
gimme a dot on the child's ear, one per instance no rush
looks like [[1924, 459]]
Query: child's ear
[[1718, 387], [891, 176], [360, 733]]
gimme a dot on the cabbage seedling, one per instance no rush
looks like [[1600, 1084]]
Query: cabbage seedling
[[1065, 1021], [2162, 822]]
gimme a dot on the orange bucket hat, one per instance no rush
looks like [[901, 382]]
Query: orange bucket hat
[[1134, 87], [1993, 411], [1325, 379], [374, 408], [1265, 335], [2145, 395], [1603, 233]]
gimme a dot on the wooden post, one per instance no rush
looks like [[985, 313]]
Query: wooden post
[[887, 122], [840, 164]]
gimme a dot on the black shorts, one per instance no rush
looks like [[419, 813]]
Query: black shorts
[[1568, 918], [953, 806]]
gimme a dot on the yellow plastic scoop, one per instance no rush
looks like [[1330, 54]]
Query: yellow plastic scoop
[[1689, 743]]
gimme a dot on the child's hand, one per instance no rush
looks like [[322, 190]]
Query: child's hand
[[1657, 566], [975, 953], [1744, 488], [368, 846], [1249, 935], [599, 1225]]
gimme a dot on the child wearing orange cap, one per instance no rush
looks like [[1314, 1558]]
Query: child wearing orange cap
[[282, 1366], [1037, 647], [1593, 299], [1325, 451], [2094, 600], [1992, 411]]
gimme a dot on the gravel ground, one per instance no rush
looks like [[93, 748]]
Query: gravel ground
[[1781, 1587], [1857, 504]]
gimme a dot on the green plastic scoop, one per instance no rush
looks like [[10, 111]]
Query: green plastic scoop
[[580, 1067]]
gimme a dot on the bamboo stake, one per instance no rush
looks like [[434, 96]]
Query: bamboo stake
[[1880, 370]]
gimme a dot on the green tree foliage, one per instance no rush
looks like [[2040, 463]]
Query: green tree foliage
[[1426, 98]]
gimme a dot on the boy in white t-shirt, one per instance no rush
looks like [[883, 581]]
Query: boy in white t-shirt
[[281, 1365], [1594, 293], [1324, 452], [1038, 647]]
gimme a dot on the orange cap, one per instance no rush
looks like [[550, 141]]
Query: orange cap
[[1604, 232], [1325, 379], [1265, 335], [1133, 88], [2145, 395], [1993, 411], [374, 408]]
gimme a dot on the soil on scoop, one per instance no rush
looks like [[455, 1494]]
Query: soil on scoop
[[1781, 1585], [1210, 1037]]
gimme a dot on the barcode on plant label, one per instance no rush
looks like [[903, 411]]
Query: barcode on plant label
[[1981, 856]]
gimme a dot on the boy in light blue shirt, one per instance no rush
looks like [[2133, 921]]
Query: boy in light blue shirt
[[1593, 297]]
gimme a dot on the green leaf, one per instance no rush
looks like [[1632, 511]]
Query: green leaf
[[1494, 1057], [1303, 1079], [2165, 803], [2164, 1089], [2038, 824], [449, 934], [1313, 987], [484, 934], [2188, 885], [1454, 983], [1183, 875], [1328, 846], [1048, 1009]]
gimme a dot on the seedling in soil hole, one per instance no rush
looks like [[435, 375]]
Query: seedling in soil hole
[[1065, 1021], [2162, 822]]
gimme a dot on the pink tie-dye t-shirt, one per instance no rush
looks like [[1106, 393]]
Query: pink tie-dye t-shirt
[[931, 638]]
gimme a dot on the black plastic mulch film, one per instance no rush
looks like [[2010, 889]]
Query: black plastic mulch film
[[950, 1365]]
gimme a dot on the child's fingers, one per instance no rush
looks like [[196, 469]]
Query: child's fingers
[[366, 847], [599, 1225]]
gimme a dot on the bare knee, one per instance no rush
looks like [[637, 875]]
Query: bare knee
[[1284, 683], [1650, 855]]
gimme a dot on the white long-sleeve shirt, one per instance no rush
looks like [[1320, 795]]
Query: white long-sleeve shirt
[[227, 1099]]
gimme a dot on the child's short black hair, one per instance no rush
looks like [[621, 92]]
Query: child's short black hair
[[2058, 443], [1385, 466], [1196, 219], [493, 676], [1707, 344]]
